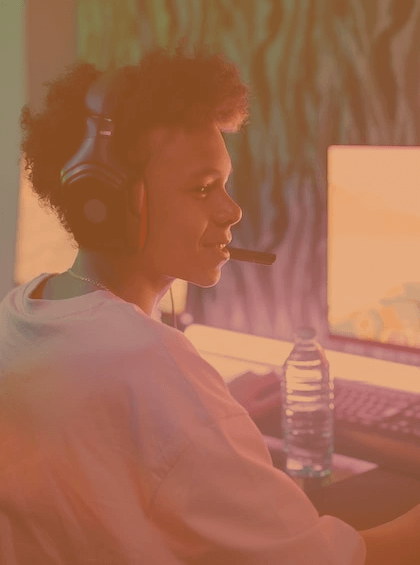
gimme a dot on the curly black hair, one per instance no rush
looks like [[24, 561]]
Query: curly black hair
[[172, 90]]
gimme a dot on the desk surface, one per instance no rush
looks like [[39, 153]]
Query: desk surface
[[233, 353], [368, 499], [359, 493]]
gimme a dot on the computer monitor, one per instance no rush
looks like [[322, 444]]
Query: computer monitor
[[373, 267]]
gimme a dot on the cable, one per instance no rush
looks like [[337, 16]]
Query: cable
[[173, 309]]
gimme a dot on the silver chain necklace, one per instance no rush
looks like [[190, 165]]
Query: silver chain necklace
[[70, 272], [88, 280]]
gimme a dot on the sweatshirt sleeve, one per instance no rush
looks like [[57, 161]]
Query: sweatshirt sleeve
[[223, 502]]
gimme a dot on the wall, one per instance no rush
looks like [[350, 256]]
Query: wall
[[12, 97], [38, 40], [323, 72]]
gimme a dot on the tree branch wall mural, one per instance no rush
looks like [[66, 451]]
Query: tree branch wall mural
[[322, 72]]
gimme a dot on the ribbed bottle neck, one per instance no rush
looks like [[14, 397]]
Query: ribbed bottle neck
[[305, 341]]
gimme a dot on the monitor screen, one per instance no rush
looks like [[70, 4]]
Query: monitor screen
[[373, 271]]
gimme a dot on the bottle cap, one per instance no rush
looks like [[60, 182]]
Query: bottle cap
[[305, 333]]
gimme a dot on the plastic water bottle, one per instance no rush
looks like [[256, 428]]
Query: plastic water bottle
[[307, 408]]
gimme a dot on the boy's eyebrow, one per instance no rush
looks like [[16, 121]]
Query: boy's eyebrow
[[211, 171]]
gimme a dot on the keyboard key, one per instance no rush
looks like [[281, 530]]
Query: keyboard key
[[391, 411]]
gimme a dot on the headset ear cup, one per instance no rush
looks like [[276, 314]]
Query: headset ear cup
[[98, 213], [143, 221]]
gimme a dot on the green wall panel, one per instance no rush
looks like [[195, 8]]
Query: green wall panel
[[322, 72]]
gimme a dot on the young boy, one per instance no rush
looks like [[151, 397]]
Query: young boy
[[111, 423]]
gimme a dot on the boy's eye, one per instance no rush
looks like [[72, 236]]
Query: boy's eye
[[203, 190]]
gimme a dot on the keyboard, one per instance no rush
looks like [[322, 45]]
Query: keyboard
[[374, 423], [390, 412], [378, 424]]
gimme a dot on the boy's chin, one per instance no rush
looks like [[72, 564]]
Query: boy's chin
[[207, 282]]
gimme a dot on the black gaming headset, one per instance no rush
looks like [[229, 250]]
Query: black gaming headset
[[98, 188]]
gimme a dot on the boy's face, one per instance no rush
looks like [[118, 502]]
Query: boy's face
[[189, 209]]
